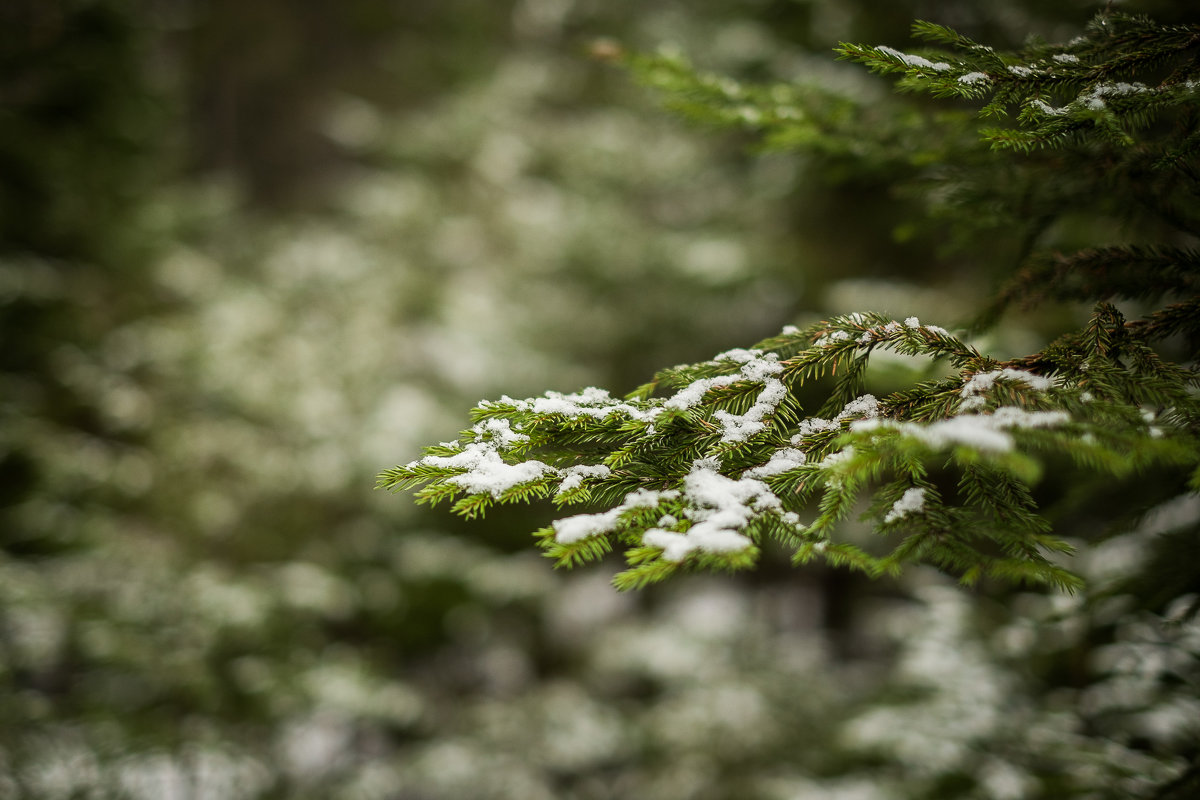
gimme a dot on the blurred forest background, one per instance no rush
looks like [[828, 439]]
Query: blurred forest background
[[252, 253]]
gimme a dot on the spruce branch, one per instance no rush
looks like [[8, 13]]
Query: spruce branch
[[698, 479], [1129, 272], [702, 465]]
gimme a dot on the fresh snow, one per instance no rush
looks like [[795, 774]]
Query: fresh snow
[[831, 338], [739, 355], [694, 392], [981, 431], [982, 382], [591, 402], [781, 461], [755, 366], [718, 507], [485, 472], [573, 476], [1049, 110], [913, 322], [1120, 88], [581, 526], [862, 407], [813, 425], [501, 432], [913, 502], [1093, 98], [740, 427], [914, 61]]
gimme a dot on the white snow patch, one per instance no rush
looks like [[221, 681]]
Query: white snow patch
[[1046, 108], [983, 382], [591, 402], [486, 472], [694, 392], [739, 355], [913, 502], [740, 427], [757, 367], [573, 476], [501, 432], [914, 61], [981, 431], [781, 461], [1121, 88], [719, 507], [813, 425], [831, 338], [864, 407], [913, 322], [1093, 98], [581, 526]]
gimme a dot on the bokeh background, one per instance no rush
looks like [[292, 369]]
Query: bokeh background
[[252, 253]]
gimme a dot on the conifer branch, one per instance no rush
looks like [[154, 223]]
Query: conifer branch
[[1129, 272], [702, 465]]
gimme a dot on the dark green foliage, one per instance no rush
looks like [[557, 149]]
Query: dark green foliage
[[1123, 74]]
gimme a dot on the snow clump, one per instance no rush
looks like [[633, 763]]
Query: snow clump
[[913, 502], [981, 431], [914, 61], [981, 383], [581, 526], [755, 366], [484, 471], [718, 507]]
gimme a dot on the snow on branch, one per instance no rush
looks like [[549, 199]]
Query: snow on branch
[[714, 458], [707, 462]]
